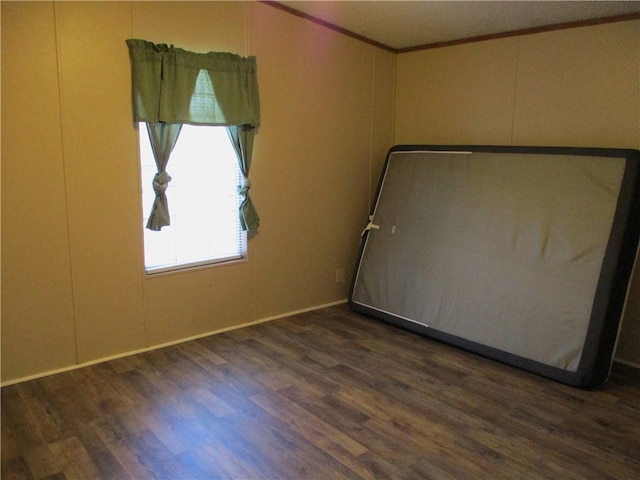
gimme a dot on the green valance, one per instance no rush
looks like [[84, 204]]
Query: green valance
[[172, 85]]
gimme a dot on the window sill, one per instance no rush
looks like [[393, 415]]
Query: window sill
[[191, 267]]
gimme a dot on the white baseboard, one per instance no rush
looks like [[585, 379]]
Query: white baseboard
[[625, 362], [164, 345]]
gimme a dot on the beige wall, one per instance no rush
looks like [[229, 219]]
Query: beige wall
[[74, 288], [38, 327], [576, 87]]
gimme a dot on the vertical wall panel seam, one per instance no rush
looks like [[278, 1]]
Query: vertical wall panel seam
[[247, 38], [250, 275], [394, 96], [0, 187], [515, 89], [59, 72], [142, 273], [394, 137], [373, 128]]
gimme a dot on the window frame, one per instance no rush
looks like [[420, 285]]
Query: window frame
[[239, 257]]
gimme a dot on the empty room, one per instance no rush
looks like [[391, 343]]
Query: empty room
[[199, 200]]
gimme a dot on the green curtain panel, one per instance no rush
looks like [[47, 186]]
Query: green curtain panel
[[242, 141], [163, 138], [173, 86]]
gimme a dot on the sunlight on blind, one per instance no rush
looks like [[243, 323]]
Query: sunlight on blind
[[203, 201]]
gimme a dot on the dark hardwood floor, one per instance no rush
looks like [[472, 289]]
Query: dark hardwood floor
[[328, 394]]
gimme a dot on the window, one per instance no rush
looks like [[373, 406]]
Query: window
[[203, 198], [207, 223]]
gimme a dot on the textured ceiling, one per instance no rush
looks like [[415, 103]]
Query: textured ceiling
[[406, 24]]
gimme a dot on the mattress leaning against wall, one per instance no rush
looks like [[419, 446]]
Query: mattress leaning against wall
[[521, 254]]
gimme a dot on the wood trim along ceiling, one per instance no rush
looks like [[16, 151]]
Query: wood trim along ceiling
[[493, 36], [326, 24]]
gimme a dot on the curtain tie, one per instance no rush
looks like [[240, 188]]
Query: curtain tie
[[161, 182], [245, 185]]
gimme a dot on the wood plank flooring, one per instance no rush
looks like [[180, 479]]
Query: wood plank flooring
[[328, 394]]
